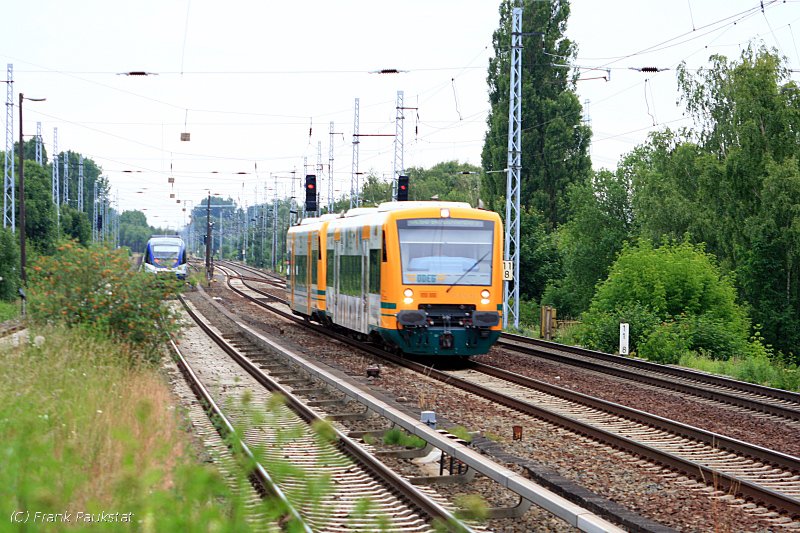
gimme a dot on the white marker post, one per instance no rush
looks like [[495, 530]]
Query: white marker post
[[624, 330]]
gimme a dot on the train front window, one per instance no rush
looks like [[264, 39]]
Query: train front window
[[446, 251], [165, 255]]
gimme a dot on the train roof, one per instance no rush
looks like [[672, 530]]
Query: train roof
[[395, 206], [165, 239], [380, 213], [321, 218]]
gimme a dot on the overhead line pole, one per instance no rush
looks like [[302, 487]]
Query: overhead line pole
[[330, 170], [56, 181], [66, 177], [511, 253], [320, 170], [8, 181], [354, 187], [39, 156]]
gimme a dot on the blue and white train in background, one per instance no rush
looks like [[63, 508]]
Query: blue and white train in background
[[165, 254]]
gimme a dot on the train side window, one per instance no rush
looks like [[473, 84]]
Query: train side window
[[329, 268], [383, 247], [374, 272]]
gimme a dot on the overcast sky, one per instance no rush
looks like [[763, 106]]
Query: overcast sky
[[257, 84]]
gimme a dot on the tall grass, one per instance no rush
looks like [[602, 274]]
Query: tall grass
[[756, 368], [8, 310], [83, 432]]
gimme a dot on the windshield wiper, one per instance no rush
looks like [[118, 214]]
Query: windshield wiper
[[467, 271]]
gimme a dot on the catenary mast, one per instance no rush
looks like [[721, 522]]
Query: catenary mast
[[354, 188], [511, 287], [8, 181]]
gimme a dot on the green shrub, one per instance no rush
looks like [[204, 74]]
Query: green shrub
[[94, 288], [599, 329], [665, 344], [673, 297]]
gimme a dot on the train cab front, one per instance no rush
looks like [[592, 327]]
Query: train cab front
[[450, 295]]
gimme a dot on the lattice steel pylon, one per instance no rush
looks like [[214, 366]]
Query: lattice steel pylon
[[275, 261], [8, 176], [354, 186], [511, 253], [320, 170], [39, 151], [80, 184], [330, 171], [56, 179], [95, 236], [66, 177], [398, 145]]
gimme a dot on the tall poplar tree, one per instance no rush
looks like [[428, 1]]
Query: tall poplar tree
[[554, 140]]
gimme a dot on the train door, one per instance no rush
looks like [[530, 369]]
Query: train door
[[310, 259], [290, 271], [337, 251], [364, 311]]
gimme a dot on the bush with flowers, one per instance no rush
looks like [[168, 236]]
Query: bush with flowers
[[96, 289]]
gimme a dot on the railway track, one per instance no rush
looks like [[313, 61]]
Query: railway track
[[526, 490], [355, 476], [773, 402], [753, 474]]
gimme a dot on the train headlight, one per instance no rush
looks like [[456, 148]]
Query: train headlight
[[444, 212], [485, 296], [408, 293]]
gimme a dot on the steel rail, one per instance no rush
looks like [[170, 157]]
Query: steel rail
[[344, 443], [569, 511], [552, 349], [732, 484], [226, 429]]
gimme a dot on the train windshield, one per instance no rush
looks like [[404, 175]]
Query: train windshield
[[446, 251], [165, 254]]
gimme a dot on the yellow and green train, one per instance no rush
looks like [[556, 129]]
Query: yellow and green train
[[422, 277]]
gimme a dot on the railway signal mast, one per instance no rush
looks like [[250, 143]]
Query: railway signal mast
[[399, 168], [330, 171]]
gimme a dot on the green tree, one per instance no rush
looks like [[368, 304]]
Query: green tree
[[538, 255], [9, 264], [449, 181], [730, 182], [769, 268], [554, 140], [588, 243], [41, 225], [134, 230], [75, 225]]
